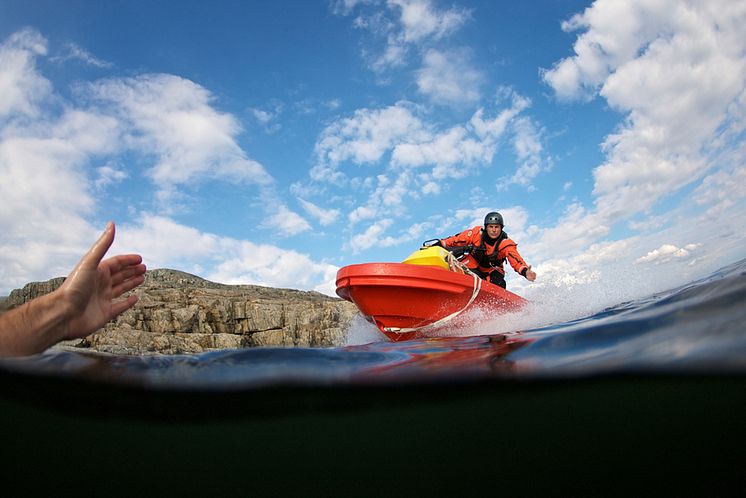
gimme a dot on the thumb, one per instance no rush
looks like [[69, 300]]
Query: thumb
[[96, 253]]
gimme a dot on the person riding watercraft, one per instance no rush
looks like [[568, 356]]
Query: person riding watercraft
[[484, 249]]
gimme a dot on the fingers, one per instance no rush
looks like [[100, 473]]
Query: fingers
[[126, 286], [122, 306], [123, 276], [96, 253], [117, 263], [119, 272]]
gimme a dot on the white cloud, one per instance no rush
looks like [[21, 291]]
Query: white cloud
[[529, 152], [720, 191], [668, 252], [108, 175], [325, 216], [344, 7], [473, 143], [447, 77], [447, 149], [403, 24], [614, 34], [73, 51], [387, 199], [454, 153], [165, 243], [365, 137], [371, 237], [420, 20], [172, 119], [21, 85], [286, 222], [677, 71], [268, 117], [361, 213], [576, 230], [431, 187], [45, 188], [45, 223], [42, 222], [376, 237], [494, 128]]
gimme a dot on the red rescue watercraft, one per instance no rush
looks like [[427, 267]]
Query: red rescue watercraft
[[429, 291]]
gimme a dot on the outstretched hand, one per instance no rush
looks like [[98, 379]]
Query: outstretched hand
[[89, 292], [530, 274]]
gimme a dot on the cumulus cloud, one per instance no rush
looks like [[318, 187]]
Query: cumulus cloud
[[387, 199], [172, 119], [325, 216], [668, 252], [21, 85], [370, 237], [108, 175], [577, 229], [164, 242], [721, 190], [55, 153], [529, 153], [403, 24], [268, 117], [423, 158], [45, 186], [364, 137], [46, 193], [286, 222], [445, 150], [447, 77], [420, 19], [676, 70], [473, 143]]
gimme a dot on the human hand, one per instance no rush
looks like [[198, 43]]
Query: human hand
[[530, 274], [89, 291]]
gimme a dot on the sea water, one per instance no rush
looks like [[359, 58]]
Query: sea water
[[696, 328], [587, 392]]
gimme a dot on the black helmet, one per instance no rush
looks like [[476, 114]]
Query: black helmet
[[494, 218]]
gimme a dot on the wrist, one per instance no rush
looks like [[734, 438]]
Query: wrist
[[49, 317]]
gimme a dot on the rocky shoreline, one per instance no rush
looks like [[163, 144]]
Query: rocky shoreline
[[180, 313]]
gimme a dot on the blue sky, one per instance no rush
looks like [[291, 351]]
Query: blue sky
[[274, 142]]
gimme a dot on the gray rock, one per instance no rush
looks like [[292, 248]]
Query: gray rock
[[182, 313]]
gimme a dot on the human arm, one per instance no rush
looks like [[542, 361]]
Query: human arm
[[510, 252], [529, 274], [79, 307], [461, 239]]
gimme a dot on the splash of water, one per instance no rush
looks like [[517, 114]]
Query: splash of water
[[558, 299]]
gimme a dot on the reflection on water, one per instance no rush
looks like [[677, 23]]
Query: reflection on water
[[378, 363]]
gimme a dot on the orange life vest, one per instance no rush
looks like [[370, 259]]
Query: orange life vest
[[486, 257]]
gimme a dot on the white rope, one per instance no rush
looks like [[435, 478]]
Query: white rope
[[457, 267]]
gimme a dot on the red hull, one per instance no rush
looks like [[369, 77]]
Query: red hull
[[408, 301]]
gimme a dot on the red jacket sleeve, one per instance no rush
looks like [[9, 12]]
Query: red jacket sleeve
[[509, 252], [463, 238]]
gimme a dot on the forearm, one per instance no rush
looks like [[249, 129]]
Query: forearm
[[33, 327], [516, 261]]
